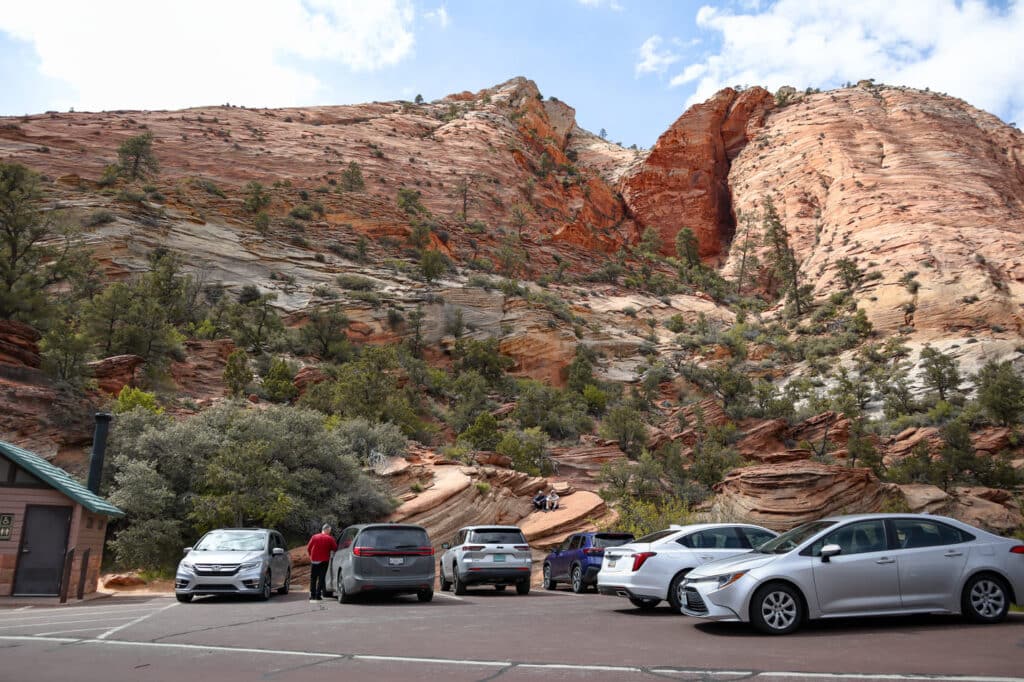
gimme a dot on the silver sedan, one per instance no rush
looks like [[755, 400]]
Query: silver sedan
[[863, 565]]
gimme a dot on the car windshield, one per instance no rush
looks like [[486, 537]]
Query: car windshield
[[393, 538], [494, 536], [656, 535], [790, 540], [233, 541], [612, 539]]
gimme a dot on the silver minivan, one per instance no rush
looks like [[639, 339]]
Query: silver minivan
[[234, 561], [382, 558]]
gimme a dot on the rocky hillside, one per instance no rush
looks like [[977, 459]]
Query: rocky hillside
[[920, 197]]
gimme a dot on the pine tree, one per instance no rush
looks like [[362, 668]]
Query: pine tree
[[136, 157]]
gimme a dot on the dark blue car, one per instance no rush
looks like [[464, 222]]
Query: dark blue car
[[579, 558]]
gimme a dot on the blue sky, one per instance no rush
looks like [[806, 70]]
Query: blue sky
[[631, 67]]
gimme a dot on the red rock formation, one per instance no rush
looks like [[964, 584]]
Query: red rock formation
[[19, 344], [683, 182], [309, 376], [899, 181], [201, 375], [781, 496], [989, 508], [114, 373]]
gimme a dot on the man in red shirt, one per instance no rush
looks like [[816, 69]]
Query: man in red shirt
[[321, 546]]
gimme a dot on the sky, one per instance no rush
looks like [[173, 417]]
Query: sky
[[630, 67]]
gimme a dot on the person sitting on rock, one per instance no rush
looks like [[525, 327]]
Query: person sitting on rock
[[540, 500], [551, 502]]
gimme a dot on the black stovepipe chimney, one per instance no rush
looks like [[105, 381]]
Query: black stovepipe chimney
[[99, 448]]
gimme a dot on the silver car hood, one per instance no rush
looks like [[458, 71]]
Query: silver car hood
[[198, 556], [733, 564]]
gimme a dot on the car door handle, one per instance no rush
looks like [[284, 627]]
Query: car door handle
[[953, 554], [707, 558], [885, 560]]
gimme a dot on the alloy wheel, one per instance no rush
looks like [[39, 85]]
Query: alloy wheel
[[988, 598], [779, 610]]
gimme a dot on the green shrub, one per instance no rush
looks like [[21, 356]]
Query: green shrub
[[130, 398]]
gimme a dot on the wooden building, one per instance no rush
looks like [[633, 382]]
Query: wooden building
[[52, 528]]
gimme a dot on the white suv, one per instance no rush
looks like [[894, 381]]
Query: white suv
[[495, 555]]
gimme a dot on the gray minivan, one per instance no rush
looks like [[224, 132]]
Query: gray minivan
[[382, 558]]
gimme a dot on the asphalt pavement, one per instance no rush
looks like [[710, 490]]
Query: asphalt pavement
[[481, 636]]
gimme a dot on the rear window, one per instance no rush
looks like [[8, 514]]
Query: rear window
[[612, 539], [657, 535], [393, 538], [497, 536]]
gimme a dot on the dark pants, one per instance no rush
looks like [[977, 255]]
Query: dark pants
[[318, 579]]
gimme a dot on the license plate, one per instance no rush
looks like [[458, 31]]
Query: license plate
[[396, 560], [499, 558], [611, 563]]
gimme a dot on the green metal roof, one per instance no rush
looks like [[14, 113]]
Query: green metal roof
[[59, 479]]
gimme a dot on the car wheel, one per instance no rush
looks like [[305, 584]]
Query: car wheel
[[499, 588], [776, 609], [287, 579], [343, 596], [183, 598], [644, 603], [577, 580], [458, 586], [265, 588], [985, 599], [445, 583], [425, 595], [523, 587], [675, 591], [549, 582]]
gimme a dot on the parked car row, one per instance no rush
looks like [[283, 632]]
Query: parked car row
[[841, 566]]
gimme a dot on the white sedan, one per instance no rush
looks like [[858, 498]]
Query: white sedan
[[652, 568]]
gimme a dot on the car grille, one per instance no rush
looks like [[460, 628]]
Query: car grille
[[216, 569], [694, 602], [202, 587]]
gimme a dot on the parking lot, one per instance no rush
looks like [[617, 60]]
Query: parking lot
[[483, 635]]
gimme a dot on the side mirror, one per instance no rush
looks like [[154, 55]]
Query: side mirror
[[446, 545], [187, 550], [277, 551], [829, 551]]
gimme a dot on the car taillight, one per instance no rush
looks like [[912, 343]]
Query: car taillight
[[640, 558], [1017, 549], [594, 551], [473, 548], [363, 551], [522, 547], [423, 551]]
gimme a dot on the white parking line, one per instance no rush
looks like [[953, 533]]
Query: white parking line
[[510, 664], [51, 623], [448, 596], [111, 631], [57, 617], [61, 632]]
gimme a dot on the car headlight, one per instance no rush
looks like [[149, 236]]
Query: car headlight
[[248, 564], [185, 566], [727, 579]]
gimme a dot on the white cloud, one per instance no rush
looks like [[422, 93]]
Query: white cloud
[[968, 49], [610, 4], [130, 54], [440, 15], [653, 61]]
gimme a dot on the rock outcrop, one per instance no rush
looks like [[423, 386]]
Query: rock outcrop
[[989, 508], [114, 373], [19, 345], [923, 192], [684, 181], [781, 496]]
